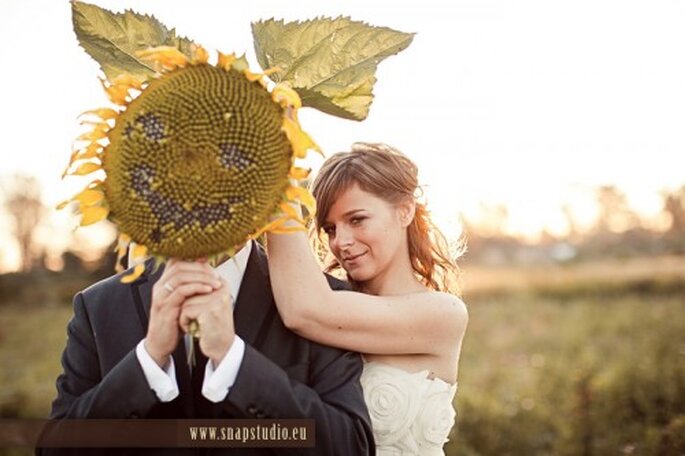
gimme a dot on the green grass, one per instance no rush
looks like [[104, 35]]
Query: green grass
[[31, 343], [545, 370], [585, 376]]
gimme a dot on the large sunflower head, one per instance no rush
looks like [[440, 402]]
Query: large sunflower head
[[198, 159]]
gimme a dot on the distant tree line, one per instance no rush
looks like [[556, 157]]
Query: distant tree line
[[617, 231]]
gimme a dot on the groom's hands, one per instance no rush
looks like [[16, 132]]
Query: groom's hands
[[214, 314], [180, 281]]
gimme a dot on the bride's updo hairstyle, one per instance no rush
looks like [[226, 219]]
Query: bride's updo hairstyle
[[388, 174]]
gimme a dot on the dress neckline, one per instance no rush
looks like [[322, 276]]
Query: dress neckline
[[423, 372]]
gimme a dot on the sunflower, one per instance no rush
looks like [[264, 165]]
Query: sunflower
[[198, 158]]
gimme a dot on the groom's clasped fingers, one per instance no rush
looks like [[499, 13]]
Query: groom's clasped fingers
[[179, 281], [182, 279], [213, 312], [212, 307]]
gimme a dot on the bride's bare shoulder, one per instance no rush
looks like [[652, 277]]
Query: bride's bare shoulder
[[449, 307], [448, 300]]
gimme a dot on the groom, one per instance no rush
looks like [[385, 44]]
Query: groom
[[126, 358]]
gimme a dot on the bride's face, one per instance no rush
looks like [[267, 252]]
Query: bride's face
[[365, 233]]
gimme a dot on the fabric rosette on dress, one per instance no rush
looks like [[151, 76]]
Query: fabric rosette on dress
[[411, 414], [436, 417]]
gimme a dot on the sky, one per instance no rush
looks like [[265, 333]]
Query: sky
[[527, 103]]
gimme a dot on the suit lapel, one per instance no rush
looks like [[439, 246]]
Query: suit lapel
[[254, 306], [142, 291]]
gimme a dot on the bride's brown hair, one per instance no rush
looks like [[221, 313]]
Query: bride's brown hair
[[387, 173]]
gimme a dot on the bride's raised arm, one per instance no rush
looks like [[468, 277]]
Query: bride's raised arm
[[428, 323]]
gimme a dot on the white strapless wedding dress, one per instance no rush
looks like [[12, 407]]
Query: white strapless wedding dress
[[411, 414]]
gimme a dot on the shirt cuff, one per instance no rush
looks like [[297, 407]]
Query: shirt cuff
[[217, 382], [162, 382]]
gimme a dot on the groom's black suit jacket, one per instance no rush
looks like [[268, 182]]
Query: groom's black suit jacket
[[281, 376]]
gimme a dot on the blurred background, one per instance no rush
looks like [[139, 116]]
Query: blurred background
[[548, 135]]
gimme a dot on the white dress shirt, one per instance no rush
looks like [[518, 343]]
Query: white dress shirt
[[217, 381]]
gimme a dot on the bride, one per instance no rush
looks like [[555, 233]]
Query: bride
[[402, 315]]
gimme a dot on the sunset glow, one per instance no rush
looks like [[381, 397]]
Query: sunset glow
[[530, 105]]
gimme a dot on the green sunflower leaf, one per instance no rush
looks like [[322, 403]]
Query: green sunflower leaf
[[112, 39], [331, 63]]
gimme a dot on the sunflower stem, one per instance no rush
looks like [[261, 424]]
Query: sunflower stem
[[194, 331]]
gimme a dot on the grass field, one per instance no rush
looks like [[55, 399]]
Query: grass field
[[574, 360], [31, 343], [545, 376]]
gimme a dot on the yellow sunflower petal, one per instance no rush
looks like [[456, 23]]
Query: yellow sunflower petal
[[139, 252], [137, 272], [92, 151], [127, 80], [167, 56], [289, 229], [259, 77], [93, 135], [103, 113], [121, 248], [96, 125], [270, 226], [200, 54], [300, 140], [89, 197], [93, 215], [252, 76], [85, 168], [302, 195], [225, 60], [291, 212], [116, 93], [124, 239], [286, 97], [299, 173], [62, 205]]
